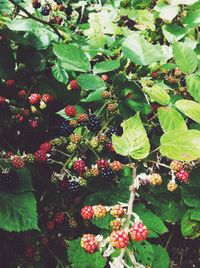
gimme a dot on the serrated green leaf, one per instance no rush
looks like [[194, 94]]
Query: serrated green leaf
[[192, 19], [170, 119], [144, 252], [183, 146], [60, 74], [91, 82], [195, 214], [189, 108], [18, 212], [103, 223], [161, 257], [190, 195], [173, 32], [190, 228], [134, 141], [166, 12], [94, 96], [193, 86], [139, 51], [78, 256], [73, 57], [158, 94], [106, 66], [185, 57]]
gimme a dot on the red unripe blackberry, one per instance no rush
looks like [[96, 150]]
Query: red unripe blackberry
[[139, 232], [73, 85], [99, 211], [116, 165], [33, 123], [70, 111], [29, 251], [105, 77], [40, 156], [34, 98], [2, 100], [176, 165], [26, 112], [182, 175], [59, 217], [46, 147], [117, 211], [19, 118], [58, 20], [87, 212], [110, 147], [89, 243], [17, 162], [119, 239], [129, 95], [47, 98], [36, 4], [9, 154], [102, 163], [79, 166], [10, 83], [22, 93], [154, 74], [50, 225]]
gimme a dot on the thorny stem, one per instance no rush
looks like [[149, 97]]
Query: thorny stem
[[37, 19]]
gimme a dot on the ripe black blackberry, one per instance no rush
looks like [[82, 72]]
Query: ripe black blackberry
[[36, 4], [65, 128], [45, 10], [94, 123], [111, 131], [182, 81], [106, 174], [9, 180], [74, 186]]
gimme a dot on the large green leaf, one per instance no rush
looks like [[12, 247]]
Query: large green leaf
[[190, 227], [193, 86], [106, 66], [18, 212], [158, 94], [94, 96], [77, 256], [192, 19], [185, 57], [103, 223], [60, 74], [73, 57], [161, 257], [170, 119], [134, 141], [190, 195], [189, 108], [139, 51], [144, 252], [173, 32], [181, 145], [166, 12], [91, 82]]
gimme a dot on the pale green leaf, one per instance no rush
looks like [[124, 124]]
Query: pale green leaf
[[106, 66], [170, 119], [193, 86], [183, 2], [157, 93], [189, 108], [181, 145], [60, 74], [91, 82], [167, 12], [192, 19], [134, 141], [173, 32], [185, 57]]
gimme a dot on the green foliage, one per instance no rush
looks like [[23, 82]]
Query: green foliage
[[189, 108], [144, 252], [60, 74], [158, 94], [173, 32], [91, 82], [190, 225], [77, 256], [134, 141], [161, 257], [193, 84], [106, 66]]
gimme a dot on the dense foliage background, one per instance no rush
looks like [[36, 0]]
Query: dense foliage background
[[91, 91]]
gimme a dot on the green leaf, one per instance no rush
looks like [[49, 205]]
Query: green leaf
[[139, 51], [60, 74], [170, 119], [103, 223], [166, 12], [18, 212], [91, 82], [190, 195], [154, 224], [78, 256], [193, 86], [192, 19], [106, 66], [144, 252], [25, 181], [173, 32], [185, 57], [158, 94], [94, 96], [189, 108], [161, 257], [189, 227], [73, 57], [195, 215], [183, 146], [183, 2], [134, 141]]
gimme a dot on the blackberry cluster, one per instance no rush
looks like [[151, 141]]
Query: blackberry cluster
[[66, 129], [45, 10], [9, 180], [106, 174], [111, 131], [73, 186], [182, 81], [94, 123]]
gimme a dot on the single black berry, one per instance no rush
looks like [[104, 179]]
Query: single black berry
[[45, 10], [111, 131], [36, 4], [65, 129], [9, 180], [106, 174], [94, 123], [73, 186], [182, 81]]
